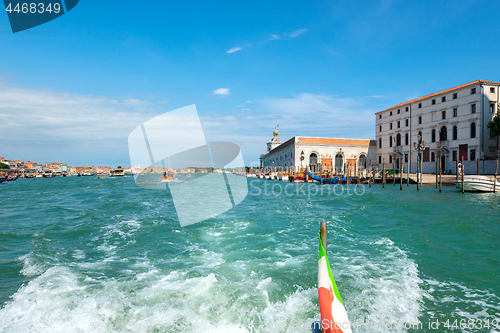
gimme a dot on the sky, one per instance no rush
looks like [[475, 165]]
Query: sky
[[73, 89]]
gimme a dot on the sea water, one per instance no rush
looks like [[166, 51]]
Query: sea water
[[80, 254]]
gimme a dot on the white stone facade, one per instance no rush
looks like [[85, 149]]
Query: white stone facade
[[325, 153], [452, 123]]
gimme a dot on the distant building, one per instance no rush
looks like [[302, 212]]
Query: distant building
[[327, 154], [452, 122]]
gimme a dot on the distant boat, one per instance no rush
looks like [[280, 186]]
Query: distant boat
[[3, 179], [117, 172], [168, 177], [102, 175], [478, 184]]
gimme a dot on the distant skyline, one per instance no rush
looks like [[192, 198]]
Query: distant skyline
[[73, 89]]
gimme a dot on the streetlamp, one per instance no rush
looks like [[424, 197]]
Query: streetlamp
[[419, 147]]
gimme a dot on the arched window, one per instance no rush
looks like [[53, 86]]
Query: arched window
[[473, 130], [339, 162], [390, 141], [407, 139], [455, 132], [380, 142], [443, 134], [398, 140], [362, 161], [313, 158], [433, 135]]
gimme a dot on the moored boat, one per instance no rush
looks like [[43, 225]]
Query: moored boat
[[475, 183], [118, 172]]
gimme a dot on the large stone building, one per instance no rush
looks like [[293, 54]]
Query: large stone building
[[452, 122], [328, 154]]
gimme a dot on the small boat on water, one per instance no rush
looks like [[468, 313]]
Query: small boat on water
[[3, 179], [119, 172], [168, 177], [102, 175], [475, 183], [333, 180]]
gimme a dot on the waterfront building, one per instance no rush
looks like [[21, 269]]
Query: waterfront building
[[326, 154], [453, 124]]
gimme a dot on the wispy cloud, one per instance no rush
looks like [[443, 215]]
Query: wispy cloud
[[234, 49], [47, 125], [221, 91], [297, 33], [274, 37]]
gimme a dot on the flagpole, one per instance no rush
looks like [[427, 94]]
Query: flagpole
[[322, 231]]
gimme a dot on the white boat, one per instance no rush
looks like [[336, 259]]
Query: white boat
[[118, 172], [478, 184]]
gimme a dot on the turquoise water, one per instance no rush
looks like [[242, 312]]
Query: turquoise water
[[80, 254]]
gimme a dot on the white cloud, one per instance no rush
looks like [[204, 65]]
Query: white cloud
[[48, 125], [248, 101], [221, 91], [273, 37], [234, 49], [297, 33]]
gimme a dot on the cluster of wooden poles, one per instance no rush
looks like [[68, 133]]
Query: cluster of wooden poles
[[439, 174]]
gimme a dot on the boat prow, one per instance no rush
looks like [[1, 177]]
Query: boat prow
[[478, 184]]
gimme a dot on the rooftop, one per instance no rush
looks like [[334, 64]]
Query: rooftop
[[440, 93]]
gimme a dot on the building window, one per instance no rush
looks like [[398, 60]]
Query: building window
[[454, 155], [473, 91], [492, 90], [379, 159], [390, 125], [398, 140], [473, 108], [419, 105], [419, 119], [390, 141], [443, 134], [443, 115], [379, 116], [455, 112], [433, 157], [380, 128], [399, 111], [390, 113], [472, 154], [433, 102], [455, 132], [390, 158], [399, 124], [433, 135], [407, 139], [406, 109], [472, 130], [492, 107], [406, 158], [406, 122], [380, 142], [455, 96], [443, 99]]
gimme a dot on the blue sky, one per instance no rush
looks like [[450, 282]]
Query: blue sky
[[74, 88]]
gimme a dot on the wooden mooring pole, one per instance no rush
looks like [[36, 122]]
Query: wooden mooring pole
[[477, 159], [436, 173], [383, 173], [393, 172], [495, 179], [401, 174], [463, 172], [440, 176], [370, 174]]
